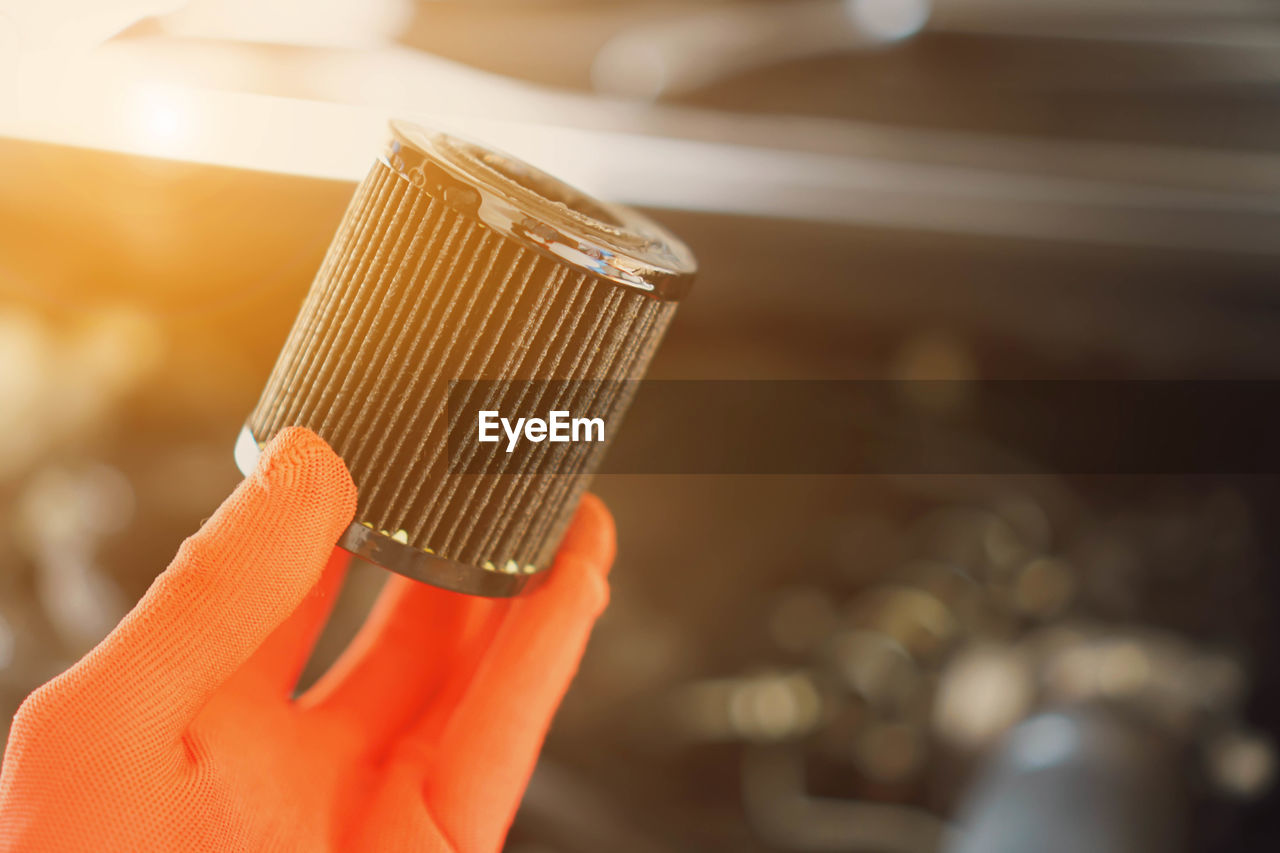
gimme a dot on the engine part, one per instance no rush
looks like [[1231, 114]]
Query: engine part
[[463, 277], [1074, 782]]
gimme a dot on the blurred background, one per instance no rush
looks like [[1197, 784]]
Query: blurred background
[[962, 189]]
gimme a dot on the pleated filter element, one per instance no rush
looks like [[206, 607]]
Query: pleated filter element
[[460, 280]]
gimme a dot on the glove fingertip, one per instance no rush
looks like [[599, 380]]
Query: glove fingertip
[[300, 461], [592, 537]]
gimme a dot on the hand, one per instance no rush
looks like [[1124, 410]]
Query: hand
[[178, 733]]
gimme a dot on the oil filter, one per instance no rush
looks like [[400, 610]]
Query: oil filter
[[463, 279]]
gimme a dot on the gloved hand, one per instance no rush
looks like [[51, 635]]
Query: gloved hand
[[178, 733]]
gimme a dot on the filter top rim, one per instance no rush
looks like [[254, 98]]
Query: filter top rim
[[609, 241]]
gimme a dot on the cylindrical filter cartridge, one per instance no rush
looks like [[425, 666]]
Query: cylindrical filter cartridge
[[463, 279]]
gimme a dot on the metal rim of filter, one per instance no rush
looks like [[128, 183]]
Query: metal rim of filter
[[609, 241], [361, 540]]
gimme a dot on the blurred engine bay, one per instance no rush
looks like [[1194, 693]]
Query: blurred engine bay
[[888, 663]]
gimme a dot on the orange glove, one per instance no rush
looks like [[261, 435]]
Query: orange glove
[[178, 733]]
